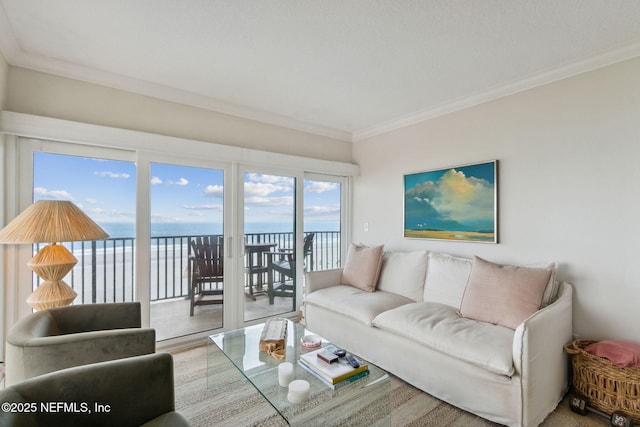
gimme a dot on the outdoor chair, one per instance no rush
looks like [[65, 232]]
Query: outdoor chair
[[283, 262], [206, 267]]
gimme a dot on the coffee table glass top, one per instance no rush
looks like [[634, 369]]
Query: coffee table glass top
[[365, 401]]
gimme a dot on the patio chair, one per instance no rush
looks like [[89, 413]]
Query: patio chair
[[206, 267], [285, 266]]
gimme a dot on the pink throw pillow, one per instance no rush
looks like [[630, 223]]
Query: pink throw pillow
[[362, 268], [620, 353], [503, 295]]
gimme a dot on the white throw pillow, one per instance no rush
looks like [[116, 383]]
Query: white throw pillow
[[403, 273], [362, 268], [446, 279]]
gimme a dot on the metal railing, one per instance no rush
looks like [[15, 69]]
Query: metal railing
[[105, 270]]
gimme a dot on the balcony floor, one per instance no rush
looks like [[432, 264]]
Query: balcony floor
[[171, 319]]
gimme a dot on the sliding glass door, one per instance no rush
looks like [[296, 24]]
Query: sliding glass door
[[187, 275], [203, 245], [270, 253]]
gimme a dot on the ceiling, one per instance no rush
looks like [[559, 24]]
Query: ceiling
[[348, 69]]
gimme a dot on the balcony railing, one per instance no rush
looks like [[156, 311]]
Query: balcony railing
[[105, 271]]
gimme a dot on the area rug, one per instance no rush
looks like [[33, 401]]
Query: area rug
[[226, 398]]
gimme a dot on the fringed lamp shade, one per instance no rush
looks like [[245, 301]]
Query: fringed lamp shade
[[52, 221]]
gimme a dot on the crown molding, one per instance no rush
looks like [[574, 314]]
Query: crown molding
[[166, 93], [583, 65]]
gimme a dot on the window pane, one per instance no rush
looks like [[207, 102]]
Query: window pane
[[322, 213], [269, 227], [105, 190]]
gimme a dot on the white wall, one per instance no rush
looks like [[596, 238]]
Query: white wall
[[47, 95], [569, 186]]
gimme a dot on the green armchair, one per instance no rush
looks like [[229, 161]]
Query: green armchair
[[65, 337], [128, 392]]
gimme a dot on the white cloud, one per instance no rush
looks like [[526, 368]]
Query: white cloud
[[109, 174], [42, 192], [268, 201], [155, 180], [256, 189], [214, 191], [282, 183], [91, 201], [320, 186], [464, 199], [181, 182]]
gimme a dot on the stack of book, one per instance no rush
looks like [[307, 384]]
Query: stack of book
[[334, 374]]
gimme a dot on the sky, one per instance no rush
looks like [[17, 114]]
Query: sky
[[105, 190]]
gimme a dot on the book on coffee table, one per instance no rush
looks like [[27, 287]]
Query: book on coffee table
[[326, 382], [331, 373]]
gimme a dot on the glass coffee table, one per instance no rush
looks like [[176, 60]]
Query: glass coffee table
[[366, 401]]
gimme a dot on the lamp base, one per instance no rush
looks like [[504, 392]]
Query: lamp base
[[51, 294]]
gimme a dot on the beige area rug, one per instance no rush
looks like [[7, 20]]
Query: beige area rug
[[230, 400]]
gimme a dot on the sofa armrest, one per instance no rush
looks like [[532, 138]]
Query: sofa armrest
[[315, 280], [539, 357], [39, 356], [130, 391]]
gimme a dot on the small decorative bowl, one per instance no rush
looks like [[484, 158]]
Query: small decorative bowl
[[311, 341]]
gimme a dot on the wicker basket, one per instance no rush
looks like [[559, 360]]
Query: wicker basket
[[606, 387]]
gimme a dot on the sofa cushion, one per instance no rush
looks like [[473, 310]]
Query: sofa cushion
[[440, 327], [352, 302], [446, 279], [403, 273], [362, 267], [503, 295]]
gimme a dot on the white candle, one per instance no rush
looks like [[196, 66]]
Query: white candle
[[298, 391], [285, 373]]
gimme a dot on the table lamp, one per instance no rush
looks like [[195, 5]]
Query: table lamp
[[52, 221]]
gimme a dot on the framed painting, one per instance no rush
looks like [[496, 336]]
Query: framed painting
[[457, 203]]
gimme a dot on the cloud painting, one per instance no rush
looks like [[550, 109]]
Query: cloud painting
[[452, 204]]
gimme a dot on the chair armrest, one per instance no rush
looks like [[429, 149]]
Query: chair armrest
[[321, 279], [131, 391], [39, 356], [539, 357]]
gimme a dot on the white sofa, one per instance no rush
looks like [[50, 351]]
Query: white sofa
[[411, 326]]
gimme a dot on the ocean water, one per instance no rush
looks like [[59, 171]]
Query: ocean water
[[197, 228]]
